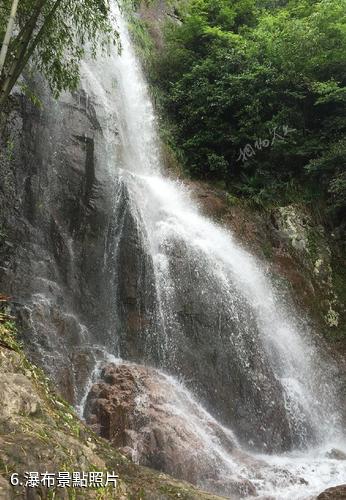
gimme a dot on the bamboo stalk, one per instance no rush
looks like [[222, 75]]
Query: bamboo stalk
[[27, 50], [8, 34]]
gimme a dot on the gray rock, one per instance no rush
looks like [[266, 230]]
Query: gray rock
[[55, 208], [336, 454]]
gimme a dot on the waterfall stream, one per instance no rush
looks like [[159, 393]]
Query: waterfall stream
[[209, 314]]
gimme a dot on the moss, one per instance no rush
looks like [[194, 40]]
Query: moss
[[174, 492], [267, 249], [313, 244], [8, 331], [232, 200], [332, 317], [339, 282], [9, 149]]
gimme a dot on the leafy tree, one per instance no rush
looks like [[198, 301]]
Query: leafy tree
[[267, 78], [54, 33]]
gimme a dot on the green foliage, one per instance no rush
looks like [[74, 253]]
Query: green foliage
[[8, 333], [139, 33], [263, 78], [55, 33]]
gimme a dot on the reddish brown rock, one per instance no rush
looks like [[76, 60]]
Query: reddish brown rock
[[156, 422], [337, 493]]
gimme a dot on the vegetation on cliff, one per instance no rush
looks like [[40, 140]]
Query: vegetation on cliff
[[251, 99], [255, 97]]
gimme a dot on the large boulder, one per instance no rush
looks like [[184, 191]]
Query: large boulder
[[155, 421], [334, 493], [212, 329]]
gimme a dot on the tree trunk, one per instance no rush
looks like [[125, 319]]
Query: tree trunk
[[8, 34]]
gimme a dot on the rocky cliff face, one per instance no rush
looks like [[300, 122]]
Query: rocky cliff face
[[304, 259], [55, 205], [133, 300], [216, 347], [299, 249], [76, 264]]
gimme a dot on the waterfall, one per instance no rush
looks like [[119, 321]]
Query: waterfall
[[189, 300], [251, 312]]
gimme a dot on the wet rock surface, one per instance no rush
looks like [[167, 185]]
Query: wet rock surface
[[302, 257], [240, 389], [40, 432], [336, 454], [55, 203], [141, 411], [335, 493], [133, 301], [299, 248], [154, 421]]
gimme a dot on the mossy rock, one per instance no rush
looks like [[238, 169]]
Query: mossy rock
[[40, 432]]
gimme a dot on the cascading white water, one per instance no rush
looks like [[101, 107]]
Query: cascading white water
[[166, 214]]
